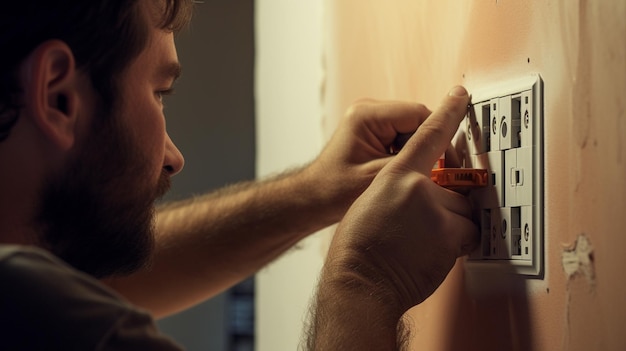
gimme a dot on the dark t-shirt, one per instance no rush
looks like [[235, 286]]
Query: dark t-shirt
[[47, 305]]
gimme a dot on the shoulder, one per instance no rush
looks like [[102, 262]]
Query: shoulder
[[34, 276], [27, 266], [45, 302]]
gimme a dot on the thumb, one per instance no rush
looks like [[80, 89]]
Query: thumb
[[433, 137]]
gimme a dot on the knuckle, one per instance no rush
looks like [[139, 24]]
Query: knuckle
[[355, 112], [359, 107], [420, 186], [422, 109]]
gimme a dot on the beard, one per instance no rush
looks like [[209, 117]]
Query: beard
[[98, 214]]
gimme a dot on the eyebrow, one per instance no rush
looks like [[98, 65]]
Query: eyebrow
[[170, 70]]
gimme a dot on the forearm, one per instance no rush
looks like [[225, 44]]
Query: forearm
[[209, 243]]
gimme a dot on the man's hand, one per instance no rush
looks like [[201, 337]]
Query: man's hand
[[360, 147], [396, 244]]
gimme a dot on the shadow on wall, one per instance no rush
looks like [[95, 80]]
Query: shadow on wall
[[490, 314], [488, 310]]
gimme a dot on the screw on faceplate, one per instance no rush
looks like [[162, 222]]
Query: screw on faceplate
[[526, 232], [503, 228], [494, 125], [526, 119]]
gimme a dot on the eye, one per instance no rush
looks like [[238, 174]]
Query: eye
[[160, 94]]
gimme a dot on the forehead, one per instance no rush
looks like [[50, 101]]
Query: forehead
[[160, 48], [158, 58]]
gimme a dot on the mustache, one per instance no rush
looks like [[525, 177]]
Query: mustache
[[164, 185]]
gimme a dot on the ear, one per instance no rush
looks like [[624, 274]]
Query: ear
[[51, 86]]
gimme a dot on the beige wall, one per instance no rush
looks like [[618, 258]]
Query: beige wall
[[410, 49], [288, 79]]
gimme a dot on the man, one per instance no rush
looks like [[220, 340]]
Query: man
[[86, 154]]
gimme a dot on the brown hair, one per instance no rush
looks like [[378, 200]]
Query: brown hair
[[104, 35]]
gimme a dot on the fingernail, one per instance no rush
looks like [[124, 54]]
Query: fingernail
[[458, 91]]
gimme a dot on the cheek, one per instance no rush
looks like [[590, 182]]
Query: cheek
[[148, 126], [155, 150]]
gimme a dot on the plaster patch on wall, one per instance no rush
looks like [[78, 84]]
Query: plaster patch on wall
[[578, 260]]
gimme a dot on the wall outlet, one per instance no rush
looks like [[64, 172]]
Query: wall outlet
[[503, 133]]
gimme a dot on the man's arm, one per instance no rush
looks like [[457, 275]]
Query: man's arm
[[395, 245], [209, 243]]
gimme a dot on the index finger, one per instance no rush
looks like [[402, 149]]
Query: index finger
[[432, 138]]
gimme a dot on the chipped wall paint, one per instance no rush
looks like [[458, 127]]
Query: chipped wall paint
[[578, 260], [410, 49]]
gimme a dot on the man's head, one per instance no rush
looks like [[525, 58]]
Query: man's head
[[80, 102]]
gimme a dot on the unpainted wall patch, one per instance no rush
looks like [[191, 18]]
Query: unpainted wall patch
[[578, 259]]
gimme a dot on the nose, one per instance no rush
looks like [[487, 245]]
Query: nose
[[174, 160]]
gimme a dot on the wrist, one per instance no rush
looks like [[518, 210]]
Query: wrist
[[333, 189], [354, 309], [355, 273]]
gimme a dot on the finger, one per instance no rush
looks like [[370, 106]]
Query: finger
[[386, 120], [404, 117], [455, 202], [467, 235], [452, 157], [434, 135], [460, 151]]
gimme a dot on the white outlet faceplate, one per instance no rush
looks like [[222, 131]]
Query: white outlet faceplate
[[503, 132]]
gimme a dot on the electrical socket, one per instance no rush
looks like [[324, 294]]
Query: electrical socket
[[503, 133]]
